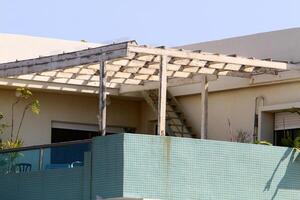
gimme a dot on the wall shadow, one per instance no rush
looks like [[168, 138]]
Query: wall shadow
[[291, 178]]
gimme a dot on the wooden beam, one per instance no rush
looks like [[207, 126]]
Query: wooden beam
[[234, 74], [62, 61], [42, 85], [162, 99], [208, 57], [102, 100], [171, 83], [204, 107]]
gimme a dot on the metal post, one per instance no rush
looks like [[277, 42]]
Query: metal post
[[204, 107], [41, 159], [162, 99], [102, 100]]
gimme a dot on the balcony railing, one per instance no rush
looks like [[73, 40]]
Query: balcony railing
[[44, 157]]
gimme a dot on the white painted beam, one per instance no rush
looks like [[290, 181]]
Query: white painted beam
[[208, 57], [162, 99], [204, 107], [62, 61], [102, 100], [171, 83], [50, 86], [235, 74]]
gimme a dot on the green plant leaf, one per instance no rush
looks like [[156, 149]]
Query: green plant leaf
[[25, 97], [3, 127], [23, 93], [263, 143], [297, 142], [9, 144], [35, 107]]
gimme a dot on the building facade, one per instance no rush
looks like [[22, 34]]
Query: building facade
[[263, 105]]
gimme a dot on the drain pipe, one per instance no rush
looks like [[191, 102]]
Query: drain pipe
[[259, 101]]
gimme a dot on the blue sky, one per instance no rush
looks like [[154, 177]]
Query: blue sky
[[155, 22]]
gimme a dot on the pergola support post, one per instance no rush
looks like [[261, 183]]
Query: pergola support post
[[162, 97], [102, 99], [204, 107]]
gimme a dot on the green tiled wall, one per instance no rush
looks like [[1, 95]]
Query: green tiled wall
[[180, 168], [59, 184], [107, 166], [166, 168]]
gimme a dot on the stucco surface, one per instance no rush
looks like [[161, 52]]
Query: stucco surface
[[236, 105], [36, 129]]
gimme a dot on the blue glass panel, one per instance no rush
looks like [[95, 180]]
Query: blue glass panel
[[19, 162], [67, 156], [69, 153]]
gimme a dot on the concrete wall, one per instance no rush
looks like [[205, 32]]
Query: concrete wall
[[36, 129], [107, 164], [280, 45], [16, 47], [167, 168], [236, 105], [148, 119], [64, 184]]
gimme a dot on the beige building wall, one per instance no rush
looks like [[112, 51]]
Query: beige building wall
[[148, 119], [280, 45], [36, 129], [22, 47], [236, 105]]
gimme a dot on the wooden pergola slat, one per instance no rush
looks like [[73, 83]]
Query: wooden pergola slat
[[127, 62], [139, 66], [207, 57]]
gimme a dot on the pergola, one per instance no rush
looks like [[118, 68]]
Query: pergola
[[117, 65]]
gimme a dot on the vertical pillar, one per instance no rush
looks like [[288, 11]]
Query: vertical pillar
[[102, 100], [204, 107], [162, 97], [41, 159]]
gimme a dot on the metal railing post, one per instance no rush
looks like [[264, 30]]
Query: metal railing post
[[41, 158]]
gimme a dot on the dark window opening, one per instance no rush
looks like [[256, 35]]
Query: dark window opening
[[73, 153], [286, 137], [66, 135], [70, 153]]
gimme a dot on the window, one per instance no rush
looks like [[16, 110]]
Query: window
[[66, 132], [70, 153], [286, 137], [287, 128]]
